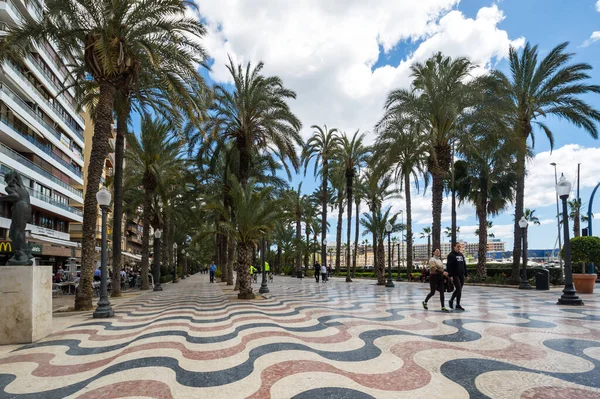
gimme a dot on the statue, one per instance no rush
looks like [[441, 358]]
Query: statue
[[21, 214]]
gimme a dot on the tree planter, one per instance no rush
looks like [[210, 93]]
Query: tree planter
[[584, 283]]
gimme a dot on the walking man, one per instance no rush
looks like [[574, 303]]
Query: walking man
[[323, 273], [457, 270], [317, 268], [213, 269]]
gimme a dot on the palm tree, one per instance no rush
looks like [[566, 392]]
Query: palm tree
[[255, 115], [529, 215], [358, 190], [94, 33], [150, 159], [427, 233], [485, 178], [257, 214], [488, 227], [449, 231], [540, 88], [442, 89], [375, 224], [402, 148], [320, 148], [338, 183], [574, 212], [352, 156]]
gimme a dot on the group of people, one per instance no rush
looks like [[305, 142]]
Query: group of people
[[254, 272], [452, 279], [322, 271]]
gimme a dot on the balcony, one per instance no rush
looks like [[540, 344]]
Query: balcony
[[43, 197], [3, 29], [10, 6], [53, 108], [35, 9], [28, 164], [45, 149]]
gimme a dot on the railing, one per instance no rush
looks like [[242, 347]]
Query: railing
[[37, 8], [24, 161], [14, 9], [42, 147], [3, 27], [43, 197], [55, 108]]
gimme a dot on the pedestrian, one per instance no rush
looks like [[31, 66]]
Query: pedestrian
[[253, 273], [268, 270], [329, 272], [97, 274], [212, 270], [317, 268], [436, 279], [323, 273], [457, 270]]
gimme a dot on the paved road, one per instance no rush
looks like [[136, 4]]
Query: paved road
[[309, 340]]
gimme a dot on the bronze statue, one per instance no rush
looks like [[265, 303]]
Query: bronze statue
[[21, 214]]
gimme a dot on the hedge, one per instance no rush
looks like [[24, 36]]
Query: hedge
[[166, 278]]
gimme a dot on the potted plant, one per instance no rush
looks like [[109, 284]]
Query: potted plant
[[585, 250]]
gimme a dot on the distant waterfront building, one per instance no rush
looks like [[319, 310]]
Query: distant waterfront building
[[41, 136]]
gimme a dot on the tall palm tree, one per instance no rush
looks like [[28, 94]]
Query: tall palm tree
[[426, 232], [375, 224], [150, 159], [320, 149], [338, 184], [442, 89], [486, 178], [488, 227], [255, 115], [358, 190], [574, 212], [540, 88], [352, 156], [257, 214], [401, 147]]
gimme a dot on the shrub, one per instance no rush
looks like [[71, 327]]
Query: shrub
[[218, 273], [584, 250], [166, 278]]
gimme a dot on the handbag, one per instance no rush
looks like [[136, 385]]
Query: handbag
[[449, 285]]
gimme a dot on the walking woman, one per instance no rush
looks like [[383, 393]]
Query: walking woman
[[436, 279]]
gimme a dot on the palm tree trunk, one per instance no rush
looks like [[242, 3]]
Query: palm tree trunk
[[349, 178], [576, 225], [374, 251], [100, 148], [166, 262], [172, 254], [338, 245], [244, 262], [278, 259], [482, 247], [324, 213], [298, 248], [146, 239], [380, 263], [307, 252], [409, 243], [244, 159], [519, 200], [122, 115], [356, 229], [224, 257], [437, 198], [230, 257]]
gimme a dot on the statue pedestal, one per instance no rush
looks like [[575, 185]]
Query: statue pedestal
[[25, 303]]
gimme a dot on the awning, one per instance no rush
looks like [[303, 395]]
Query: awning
[[136, 257], [54, 240]]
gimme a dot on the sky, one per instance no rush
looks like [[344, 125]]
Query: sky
[[342, 57]]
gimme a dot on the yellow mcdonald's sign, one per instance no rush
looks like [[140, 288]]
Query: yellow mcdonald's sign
[[5, 247]]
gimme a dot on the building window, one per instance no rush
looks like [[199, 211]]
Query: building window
[[47, 222]]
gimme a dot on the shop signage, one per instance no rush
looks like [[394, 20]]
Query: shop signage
[[48, 232], [36, 249], [5, 247]]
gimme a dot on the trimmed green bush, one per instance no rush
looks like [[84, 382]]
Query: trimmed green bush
[[165, 278], [584, 250]]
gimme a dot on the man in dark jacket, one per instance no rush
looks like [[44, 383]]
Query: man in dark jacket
[[457, 271], [317, 268]]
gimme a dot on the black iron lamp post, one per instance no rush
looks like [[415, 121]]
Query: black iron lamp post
[[263, 285], [524, 282], [388, 230], [183, 267], [157, 235], [175, 279], [104, 309], [569, 297], [399, 278]]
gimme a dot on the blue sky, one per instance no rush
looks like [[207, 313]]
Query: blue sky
[[343, 56]]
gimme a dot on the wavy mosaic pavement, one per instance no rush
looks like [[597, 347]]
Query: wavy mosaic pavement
[[308, 340]]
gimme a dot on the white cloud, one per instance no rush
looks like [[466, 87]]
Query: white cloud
[[593, 38], [598, 6], [326, 50]]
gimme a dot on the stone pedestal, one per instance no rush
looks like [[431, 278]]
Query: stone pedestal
[[25, 303]]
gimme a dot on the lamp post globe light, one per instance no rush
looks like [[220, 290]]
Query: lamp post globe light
[[157, 235], [104, 309], [569, 297], [175, 279], [388, 230], [524, 282]]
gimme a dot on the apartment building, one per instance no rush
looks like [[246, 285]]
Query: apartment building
[[41, 137]]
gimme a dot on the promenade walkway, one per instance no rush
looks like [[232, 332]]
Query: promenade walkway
[[309, 340]]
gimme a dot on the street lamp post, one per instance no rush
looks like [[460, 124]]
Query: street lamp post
[[524, 282], [263, 285], [175, 279], [569, 297], [400, 245], [104, 309], [183, 267], [557, 218], [157, 235], [388, 229]]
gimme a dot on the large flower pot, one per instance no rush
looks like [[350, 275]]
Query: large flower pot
[[584, 283]]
